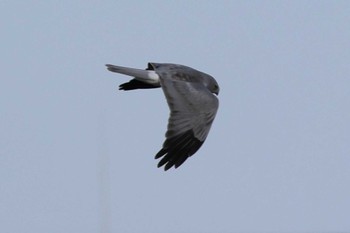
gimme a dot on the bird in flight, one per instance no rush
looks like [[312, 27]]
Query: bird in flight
[[193, 103]]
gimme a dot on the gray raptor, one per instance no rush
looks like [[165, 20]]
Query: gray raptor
[[192, 103]]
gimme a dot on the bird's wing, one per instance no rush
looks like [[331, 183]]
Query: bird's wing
[[192, 111]]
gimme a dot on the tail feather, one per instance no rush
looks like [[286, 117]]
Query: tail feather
[[148, 76]]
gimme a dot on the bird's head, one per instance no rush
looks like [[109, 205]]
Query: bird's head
[[211, 84]]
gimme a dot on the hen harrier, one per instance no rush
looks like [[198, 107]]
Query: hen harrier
[[192, 103]]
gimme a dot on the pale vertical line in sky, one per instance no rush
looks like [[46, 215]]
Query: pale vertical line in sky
[[104, 180]]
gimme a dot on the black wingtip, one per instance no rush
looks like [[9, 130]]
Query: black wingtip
[[177, 150], [135, 84], [168, 166]]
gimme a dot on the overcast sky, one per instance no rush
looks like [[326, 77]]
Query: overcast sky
[[77, 155]]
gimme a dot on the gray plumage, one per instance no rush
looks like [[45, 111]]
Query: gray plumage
[[192, 103]]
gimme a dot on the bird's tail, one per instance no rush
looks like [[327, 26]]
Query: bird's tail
[[143, 79]]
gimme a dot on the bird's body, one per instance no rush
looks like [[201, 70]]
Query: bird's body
[[192, 103]]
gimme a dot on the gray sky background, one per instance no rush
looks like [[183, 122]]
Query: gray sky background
[[77, 155]]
